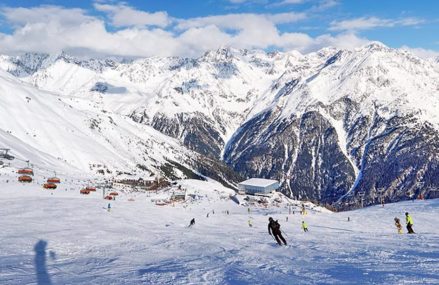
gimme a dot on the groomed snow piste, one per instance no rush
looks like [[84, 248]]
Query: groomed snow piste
[[61, 237]]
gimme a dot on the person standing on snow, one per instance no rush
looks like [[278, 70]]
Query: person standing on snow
[[274, 230], [303, 210], [398, 225], [409, 222], [304, 226]]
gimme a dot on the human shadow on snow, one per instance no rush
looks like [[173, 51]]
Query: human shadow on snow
[[43, 277]]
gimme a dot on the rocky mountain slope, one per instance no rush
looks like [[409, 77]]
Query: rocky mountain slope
[[341, 127], [362, 125], [72, 135]]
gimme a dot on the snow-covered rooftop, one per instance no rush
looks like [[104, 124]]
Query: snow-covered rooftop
[[258, 182]]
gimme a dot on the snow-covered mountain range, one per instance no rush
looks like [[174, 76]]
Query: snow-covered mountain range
[[335, 126]]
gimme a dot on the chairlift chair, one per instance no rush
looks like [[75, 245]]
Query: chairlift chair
[[27, 171], [25, 179], [49, 186], [54, 179]]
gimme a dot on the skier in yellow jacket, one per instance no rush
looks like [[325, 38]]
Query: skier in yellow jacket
[[304, 226], [409, 222]]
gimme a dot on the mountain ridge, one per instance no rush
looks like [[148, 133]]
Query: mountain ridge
[[276, 115]]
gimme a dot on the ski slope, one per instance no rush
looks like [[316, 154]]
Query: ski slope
[[75, 135], [61, 237]]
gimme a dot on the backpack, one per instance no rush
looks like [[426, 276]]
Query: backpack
[[275, 226]]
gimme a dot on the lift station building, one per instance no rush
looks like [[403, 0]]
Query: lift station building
[[256, 186]]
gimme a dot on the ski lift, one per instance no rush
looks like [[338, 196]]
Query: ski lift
[[4, 154], [27, 170], [54, 179], [84, 192], [91, 188], [25, 179], [49, 186]]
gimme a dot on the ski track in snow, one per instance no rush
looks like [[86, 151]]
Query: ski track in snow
[[140, 243]]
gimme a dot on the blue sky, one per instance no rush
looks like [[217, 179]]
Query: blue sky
[[189, 27]]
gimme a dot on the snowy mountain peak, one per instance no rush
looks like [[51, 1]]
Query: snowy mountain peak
[[223, 54], [24, 65], [324, 52], [375, 46]]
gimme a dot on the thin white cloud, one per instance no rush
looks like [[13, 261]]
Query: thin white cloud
[[272, 3], [122, 15], [325, 4], [237, 2], [317, 5], [53, 29], [293, 1], [366, 23], [288, 2], [241, 21]]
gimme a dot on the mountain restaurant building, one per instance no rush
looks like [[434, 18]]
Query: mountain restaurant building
[[256, 186]]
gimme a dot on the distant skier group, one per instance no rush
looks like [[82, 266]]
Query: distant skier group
[[275, 231]]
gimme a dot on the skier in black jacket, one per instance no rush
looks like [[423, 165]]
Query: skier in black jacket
[[192, 223], [274, 227]]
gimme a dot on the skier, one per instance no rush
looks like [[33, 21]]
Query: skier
[[398, 225], [274, 227], [303, 209], [409, 221], [286, 219], [250, 223], [192, 223], [109, 207], [304, 226]]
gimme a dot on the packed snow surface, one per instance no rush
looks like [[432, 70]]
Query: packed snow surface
[[62, 237]]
